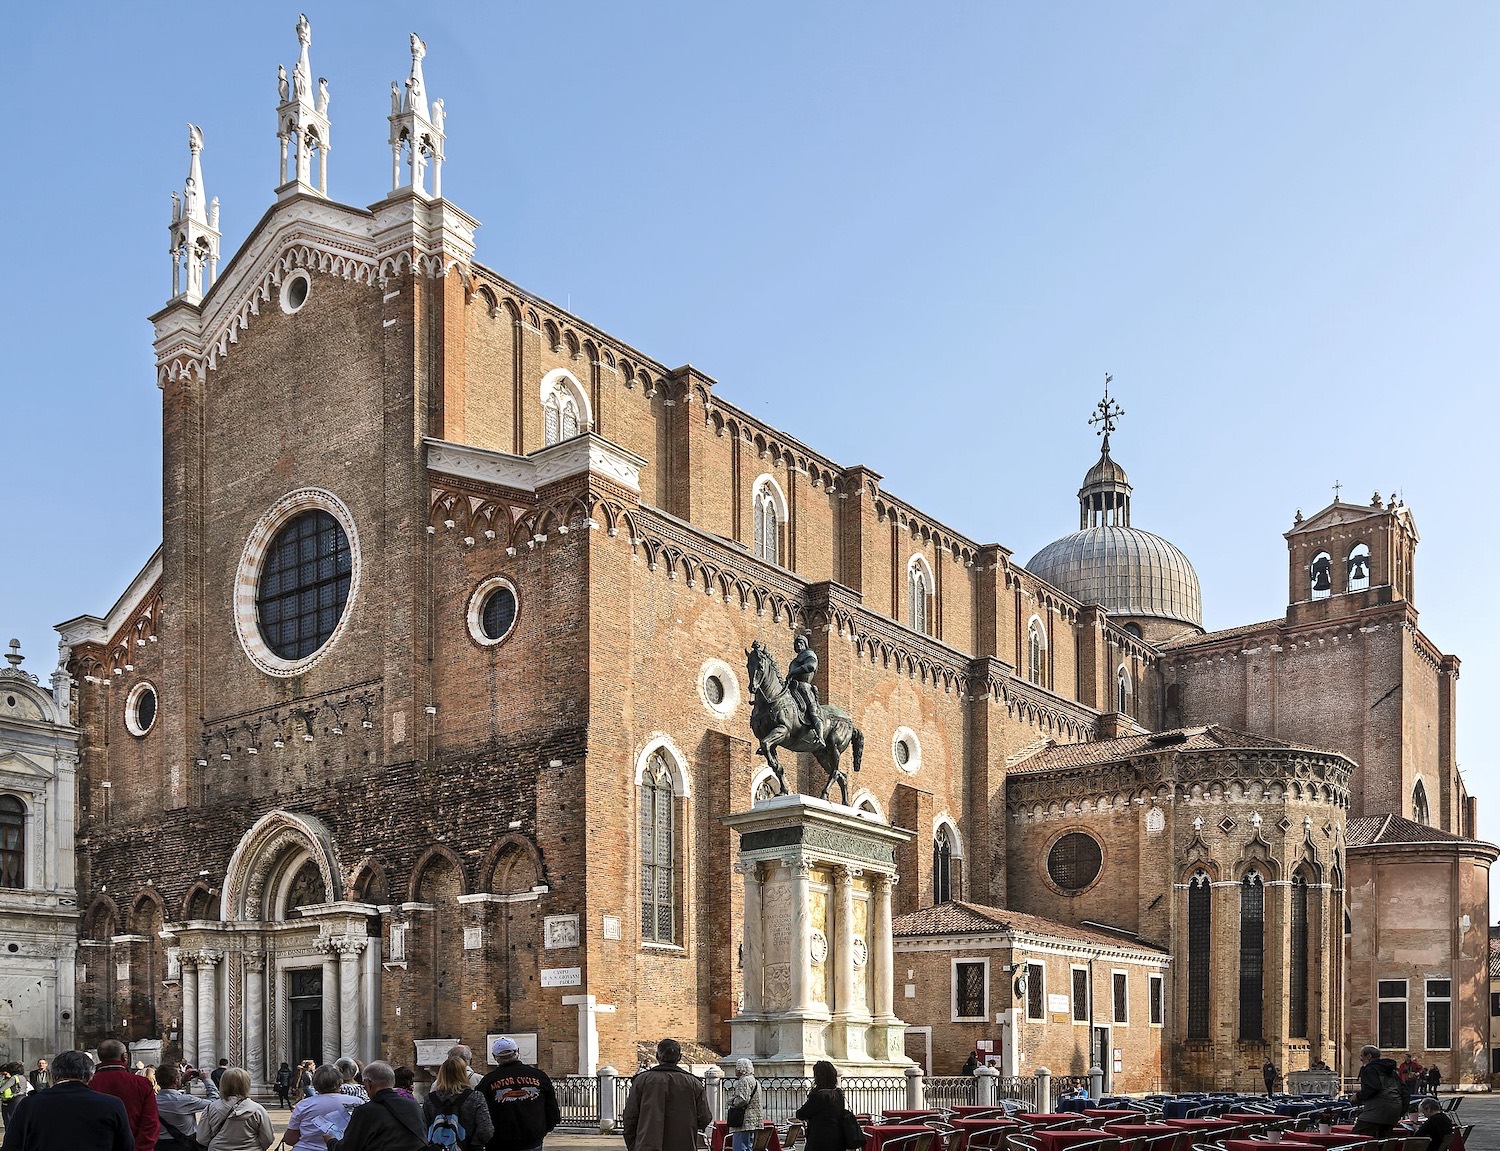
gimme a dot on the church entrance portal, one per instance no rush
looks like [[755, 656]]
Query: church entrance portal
[[305, 1006]]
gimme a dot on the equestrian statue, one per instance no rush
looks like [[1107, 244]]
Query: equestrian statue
[[787, 714]]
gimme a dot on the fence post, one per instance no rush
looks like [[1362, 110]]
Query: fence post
[[985, 1086], [713, 1080], [1043, 1090], [914, 1088], [1096, 1083], [607, 1116]]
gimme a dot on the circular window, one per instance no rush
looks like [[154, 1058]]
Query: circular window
[[294, 291], [492, 611], [299, 572], [718, 688], [906, 750], [140, 709], [1075, 861], [304, 584]]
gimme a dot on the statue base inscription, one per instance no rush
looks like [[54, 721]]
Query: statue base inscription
[[819, 978]]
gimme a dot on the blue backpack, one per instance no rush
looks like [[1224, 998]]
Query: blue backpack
[[446, 1133]]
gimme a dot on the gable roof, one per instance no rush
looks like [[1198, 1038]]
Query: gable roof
[[960, 918], [1210, 738], [1193, 640], [1367, 830]]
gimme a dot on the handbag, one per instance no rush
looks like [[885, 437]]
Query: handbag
[[849, 1128], [736, 1116]]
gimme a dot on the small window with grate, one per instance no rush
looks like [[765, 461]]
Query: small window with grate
[[969, 991], [1036, 999], [1120, 989], [1080, 995], [1156, 993], [1075, 861], [304, 584]]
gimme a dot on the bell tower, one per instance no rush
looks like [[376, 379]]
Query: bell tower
[[1349, 556], [302, 124], [416, 132], [194, 230]]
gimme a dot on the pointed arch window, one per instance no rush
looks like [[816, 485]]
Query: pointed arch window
[[770, 514], [1200, 940], [1122, 691], [1320, 576], [12, 842], [658, 836], [942, 865], [1297, 996], [1419, 809], [1036, 652], [919, 593], [1252, 954], [565, 411], [1357, 567]]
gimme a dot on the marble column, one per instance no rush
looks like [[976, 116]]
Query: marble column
[[255, 1018], [330, 1006], [349, 948], [843, 944], [800, 943], [208, 1009], [189, 1029], [882, 965], [754, 955]]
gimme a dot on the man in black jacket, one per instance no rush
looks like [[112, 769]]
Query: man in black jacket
[[1381, 1096], [521, 1100], [69, 1116], [388, 1122]]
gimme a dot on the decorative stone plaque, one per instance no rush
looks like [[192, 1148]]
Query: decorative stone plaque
[[560, 931]]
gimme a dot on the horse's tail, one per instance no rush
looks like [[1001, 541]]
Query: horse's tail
[[859, 748]]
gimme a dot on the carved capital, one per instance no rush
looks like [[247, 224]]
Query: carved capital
[[255, 962], [204, 957], [350, 945], [748, 867]]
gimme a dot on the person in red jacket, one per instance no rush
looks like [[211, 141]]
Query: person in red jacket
[[114, 1077]]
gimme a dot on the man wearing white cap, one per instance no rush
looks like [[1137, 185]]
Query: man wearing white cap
[[522, 1102]]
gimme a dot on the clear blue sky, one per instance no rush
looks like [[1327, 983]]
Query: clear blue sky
[[913, 235]]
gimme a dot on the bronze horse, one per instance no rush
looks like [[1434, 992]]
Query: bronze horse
[[776, 721]]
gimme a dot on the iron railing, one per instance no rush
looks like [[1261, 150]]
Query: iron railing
[[578, 1100], [945, 1091]]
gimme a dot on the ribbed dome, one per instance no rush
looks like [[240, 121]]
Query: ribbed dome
[[1129, 571], [1106, 473]]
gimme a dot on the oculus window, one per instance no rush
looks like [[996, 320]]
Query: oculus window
[[304, 584], [1075, 861]]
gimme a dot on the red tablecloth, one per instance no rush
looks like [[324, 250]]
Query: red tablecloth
[[720, 1138], [1329, 1139], [877, 1133], [1061, 1140]]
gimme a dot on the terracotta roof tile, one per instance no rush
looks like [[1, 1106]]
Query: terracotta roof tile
[[1182, 641], [960, 918], [1371, 829], [1051, 758]]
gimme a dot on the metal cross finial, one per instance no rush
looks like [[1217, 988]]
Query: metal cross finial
[[1106, 412], [1336, 487]]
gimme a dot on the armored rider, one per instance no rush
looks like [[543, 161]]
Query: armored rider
[[799, 675]]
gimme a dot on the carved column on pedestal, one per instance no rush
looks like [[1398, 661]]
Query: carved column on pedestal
[[754, 955], [801, 937], [255, 1017], [843, 950], [208, 1007], [349, 948], [189, 1030], [883, 961], [331, 1031]]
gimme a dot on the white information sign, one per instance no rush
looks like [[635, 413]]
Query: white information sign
[[562, 976], [525, 1040], [1057, 1004]]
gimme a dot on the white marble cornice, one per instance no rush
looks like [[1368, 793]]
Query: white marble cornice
[[585, 454]]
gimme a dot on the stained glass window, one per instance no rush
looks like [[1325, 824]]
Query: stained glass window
[[1252, 954], [1297, 999], [942, 866], [304, 584], [658, 852], [1200, 917]]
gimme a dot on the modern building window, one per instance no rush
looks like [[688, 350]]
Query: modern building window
[[1036, 652], [1439, 1014], [304, 584], [658, 835], [1122, 691], [919, 593], [1297, 992], [1357, 567], [1391, 1021], [1036, 988], [1080, 995], [1252, 954], [12, 842], [969, 990], [1156, 993], [942, 865], [1419, 809], [1200, 922], [1320, 576], [1120, 996], [770, 516]]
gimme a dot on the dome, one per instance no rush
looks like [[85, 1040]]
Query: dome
[[1106, 474], [1128, 571]]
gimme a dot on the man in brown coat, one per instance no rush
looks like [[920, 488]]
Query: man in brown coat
[[667, 1106]]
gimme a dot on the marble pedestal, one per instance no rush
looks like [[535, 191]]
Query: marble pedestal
[[819, 979]]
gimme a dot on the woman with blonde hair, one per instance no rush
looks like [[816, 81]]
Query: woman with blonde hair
[[744, 1096], [458, 1106], [234, 1121]]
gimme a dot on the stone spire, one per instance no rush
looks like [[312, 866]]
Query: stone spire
[[302, 123], [194, 230], [416, 131]]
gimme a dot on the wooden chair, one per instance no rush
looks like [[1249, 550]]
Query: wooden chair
[[763, 1138], [792, 1135]]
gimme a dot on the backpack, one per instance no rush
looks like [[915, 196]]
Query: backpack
[[446, 1133]]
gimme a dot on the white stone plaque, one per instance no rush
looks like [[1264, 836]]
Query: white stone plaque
[[1057, 1004], [473, 938], [562, 976], [612, 927], [560, 931], [432, 1052], [525, 1040]]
